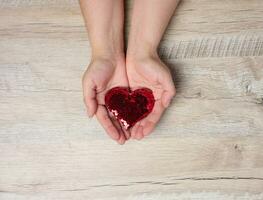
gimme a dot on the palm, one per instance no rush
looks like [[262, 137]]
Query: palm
[[149, 73], [106, 76], [100, 76]]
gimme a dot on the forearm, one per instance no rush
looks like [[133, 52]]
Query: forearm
[[104, 21], [149, 21]]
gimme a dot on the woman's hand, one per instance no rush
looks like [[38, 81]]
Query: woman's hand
[[101, 75], [104, 21], [144, 68], [152, 73]]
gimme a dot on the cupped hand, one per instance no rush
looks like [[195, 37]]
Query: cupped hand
[[152, 73], [101, 75]]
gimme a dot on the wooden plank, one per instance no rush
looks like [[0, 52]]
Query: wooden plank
[[202, 79], [38, 3], [57, 112], [232, 31], [216, 17], [73, 166], [41, 86], [218, 46], [147, 196], [208, 144]]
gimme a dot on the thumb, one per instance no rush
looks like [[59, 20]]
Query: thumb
[[169, 89], [89, 95]]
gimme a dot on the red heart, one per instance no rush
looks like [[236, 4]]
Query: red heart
[[128, 106]]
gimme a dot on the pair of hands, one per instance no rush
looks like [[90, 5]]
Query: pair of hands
[[104, 73]]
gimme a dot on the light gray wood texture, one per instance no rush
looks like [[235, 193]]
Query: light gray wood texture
[[208, 145]]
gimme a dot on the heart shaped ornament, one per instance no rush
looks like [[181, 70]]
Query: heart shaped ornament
[[127, 106]]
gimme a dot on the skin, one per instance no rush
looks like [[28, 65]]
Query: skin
[[107, 66], [144, 67], [140, 68]]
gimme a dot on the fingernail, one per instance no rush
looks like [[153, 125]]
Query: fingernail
[[128, 137], [87, 112], [121, 142], [89, 115]]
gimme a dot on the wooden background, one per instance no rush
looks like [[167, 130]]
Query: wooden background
[[208, 145]]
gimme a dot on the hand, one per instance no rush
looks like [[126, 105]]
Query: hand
[[152, 73], [103, 74]]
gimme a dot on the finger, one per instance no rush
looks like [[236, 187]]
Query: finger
[[148, 127], [126, 133], [150, 122], [89, 94], [120, 128], [169, 89], [139, 133], [122, 137], [134, 130], [105, 121], [167, 98]]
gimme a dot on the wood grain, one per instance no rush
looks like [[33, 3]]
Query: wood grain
[[208, 145], [220, 46], [229, 164]]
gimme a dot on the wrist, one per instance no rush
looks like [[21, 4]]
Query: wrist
[[107, 45], [107, 51], [115, 60], [141, 52], [114, 56], [107, 48]]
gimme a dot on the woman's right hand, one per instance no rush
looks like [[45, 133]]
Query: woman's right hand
[[101, 75]]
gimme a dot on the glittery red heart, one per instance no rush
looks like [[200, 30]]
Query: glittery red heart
[[128, 106]]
